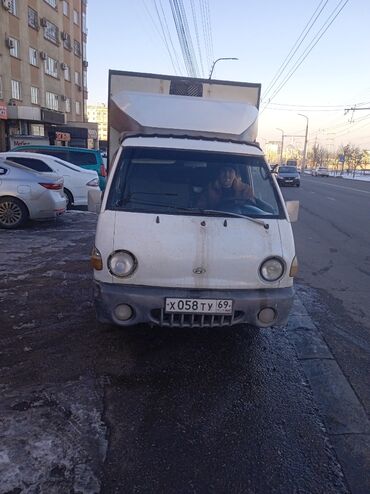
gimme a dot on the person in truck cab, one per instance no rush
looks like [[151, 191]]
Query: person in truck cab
[[226, 189]]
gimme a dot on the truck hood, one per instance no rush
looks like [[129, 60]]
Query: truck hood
[[190, 251]]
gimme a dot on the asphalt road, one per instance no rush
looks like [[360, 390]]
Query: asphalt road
[[88, 408], [333, 244]]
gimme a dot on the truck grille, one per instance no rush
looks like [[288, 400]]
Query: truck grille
[[195, 320]]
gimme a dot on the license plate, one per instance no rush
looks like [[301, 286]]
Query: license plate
[[289, 181], [199, 306]]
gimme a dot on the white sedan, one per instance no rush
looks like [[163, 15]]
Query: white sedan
[[26, 194], [77, 180], [321, 171]]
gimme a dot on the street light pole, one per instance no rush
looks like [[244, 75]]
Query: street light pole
[[305, 142], [218, 59], [281, 146]]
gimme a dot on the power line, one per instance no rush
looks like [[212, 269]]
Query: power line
[[176, 55], [310, 47], [160, 35], [296, 46], [176, 14], [197, 36]]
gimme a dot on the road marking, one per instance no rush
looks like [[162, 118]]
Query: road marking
[[331, 198], [343, 187]]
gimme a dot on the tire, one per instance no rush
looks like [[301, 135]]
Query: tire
[[298, 185], [69, 198], [13, 213]]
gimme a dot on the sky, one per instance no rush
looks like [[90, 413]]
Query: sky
[[335, 75]]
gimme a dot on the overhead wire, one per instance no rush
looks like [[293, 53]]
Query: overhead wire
[[185, 23], [197, 36], [176, 55], [176, 14], [306, 30], [332, 17], [161, 35]]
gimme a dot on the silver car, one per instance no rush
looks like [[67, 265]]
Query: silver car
[[26, 194]]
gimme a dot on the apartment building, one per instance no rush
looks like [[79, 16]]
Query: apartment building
[[43, 73], [99, 113]]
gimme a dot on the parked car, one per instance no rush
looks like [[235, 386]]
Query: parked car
[[26, 194], [321, 171], [288, 175], [89, 159], [77, 181]]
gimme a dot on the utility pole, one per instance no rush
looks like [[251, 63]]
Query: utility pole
[[282, 145], [305, 142]]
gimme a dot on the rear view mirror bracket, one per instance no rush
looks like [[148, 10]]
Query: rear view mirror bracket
[[292, 209]]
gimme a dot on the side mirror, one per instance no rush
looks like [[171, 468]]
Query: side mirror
[[293, 209], [94, 200]]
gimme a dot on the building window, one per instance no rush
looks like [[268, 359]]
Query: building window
[[76, 17], [1, 88], [13, 6], [51, 67], [33, 18], [84, 54], [52, 3], [33, 56], [67, 41], [78, 108], [76, 48], [51, 32], [37, 130], [52, 101], [16, 89], [77, 79], [68, 105], [67, 73], [13, 47], [85, 79], [65, 8], [34, 95]]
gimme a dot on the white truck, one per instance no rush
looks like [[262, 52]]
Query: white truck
[[192, 230]]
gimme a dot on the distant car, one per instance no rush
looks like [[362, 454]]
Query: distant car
[[77, 181], [288, 175], [26, 194], [321, 171]]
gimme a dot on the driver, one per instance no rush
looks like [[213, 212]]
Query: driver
[[227, 187]]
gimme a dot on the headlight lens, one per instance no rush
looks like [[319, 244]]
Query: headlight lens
[[122, 263], [272, 269]]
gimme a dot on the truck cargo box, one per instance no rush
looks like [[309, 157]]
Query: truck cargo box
[[161, 104]]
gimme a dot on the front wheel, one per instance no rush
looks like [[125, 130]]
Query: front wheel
[[13, 213], [69, 198]]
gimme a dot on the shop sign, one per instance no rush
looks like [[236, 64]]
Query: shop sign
[[92, 133], [62, 136], [3, 112]]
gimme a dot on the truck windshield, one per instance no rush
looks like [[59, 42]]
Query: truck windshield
[[193, 182]]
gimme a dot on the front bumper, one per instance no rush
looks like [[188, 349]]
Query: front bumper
[[148, 305]]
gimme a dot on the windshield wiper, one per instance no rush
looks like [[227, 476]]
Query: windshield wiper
[[237, 215], [195, 210]]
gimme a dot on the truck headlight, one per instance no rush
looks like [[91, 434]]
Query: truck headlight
[[122, 263], [272, 269]]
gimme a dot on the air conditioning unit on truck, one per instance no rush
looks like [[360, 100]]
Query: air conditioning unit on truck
[[193, 230]]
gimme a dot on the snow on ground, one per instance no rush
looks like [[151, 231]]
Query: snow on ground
[[358, 176]]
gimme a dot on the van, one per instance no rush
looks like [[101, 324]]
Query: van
[[192, 230], [90, 159]]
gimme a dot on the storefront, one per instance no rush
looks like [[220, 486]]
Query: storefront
[[70, 135]]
